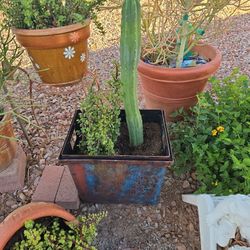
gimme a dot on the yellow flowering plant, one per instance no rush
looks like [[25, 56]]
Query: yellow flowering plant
[[214, 140]]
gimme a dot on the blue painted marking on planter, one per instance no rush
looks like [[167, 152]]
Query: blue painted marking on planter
[[141, 185], [130, 181], [160, 175], [91, 179]]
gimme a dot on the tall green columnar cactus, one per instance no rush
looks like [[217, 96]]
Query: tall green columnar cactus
[[129, 56]]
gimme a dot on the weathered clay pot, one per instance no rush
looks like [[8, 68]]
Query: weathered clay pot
[[15, 220], [8, 145], [58, 54], [173, 88]]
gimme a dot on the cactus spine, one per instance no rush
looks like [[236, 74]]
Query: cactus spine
[[129, 57]]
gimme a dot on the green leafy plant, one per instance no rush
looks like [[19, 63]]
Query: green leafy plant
[[99, 118], [215, 139], [40, 14], [79, 234], [171, 28], [130, 46]]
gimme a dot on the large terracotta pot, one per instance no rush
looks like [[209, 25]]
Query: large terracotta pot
[[173, 88], [32, 211], [58, 54], [8, 145]]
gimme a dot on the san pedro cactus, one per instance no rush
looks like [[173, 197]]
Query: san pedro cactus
[[129, 57]]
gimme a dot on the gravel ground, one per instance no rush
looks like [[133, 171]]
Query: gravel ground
[[169, 225]]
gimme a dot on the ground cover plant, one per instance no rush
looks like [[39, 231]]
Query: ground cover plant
[[214, 140], [52, 233]]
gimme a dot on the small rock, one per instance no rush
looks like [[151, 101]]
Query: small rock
[[186, 184], [84, 209], [138, 211], [36, 181], [149, 220], [193, 175], [191, 227], [22, 196], [14, 206], [173, 204], [42, 162], [158, 216], [10, 203], [181, 247]]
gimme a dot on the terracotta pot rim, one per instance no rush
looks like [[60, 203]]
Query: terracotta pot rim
[[51, 31], [34, 210], [202, 67]]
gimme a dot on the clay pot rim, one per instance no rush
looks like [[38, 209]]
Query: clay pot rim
[[203, 67], [31, 211], [51, 31]]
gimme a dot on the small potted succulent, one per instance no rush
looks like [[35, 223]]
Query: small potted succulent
[[214, 144], [41, 225], [115, 155], [54, 34], [175, 65]]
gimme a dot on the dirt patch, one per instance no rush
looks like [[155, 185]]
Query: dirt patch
[[152, 141]]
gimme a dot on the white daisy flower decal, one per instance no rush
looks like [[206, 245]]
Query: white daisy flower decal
[[69, 52], [82, 57]]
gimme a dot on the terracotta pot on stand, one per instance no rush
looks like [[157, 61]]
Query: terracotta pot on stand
[[8, 145], [32, 211], [173, 88], [58, 54]]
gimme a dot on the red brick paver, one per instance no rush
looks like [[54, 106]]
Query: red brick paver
[[67, 195], [56, 185], [48, 185]]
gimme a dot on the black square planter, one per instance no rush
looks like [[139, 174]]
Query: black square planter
[[120, 178]]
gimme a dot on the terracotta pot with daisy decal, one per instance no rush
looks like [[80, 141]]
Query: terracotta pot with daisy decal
[[58, 54]]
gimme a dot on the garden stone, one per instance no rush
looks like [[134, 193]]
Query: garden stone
[[185, 184]]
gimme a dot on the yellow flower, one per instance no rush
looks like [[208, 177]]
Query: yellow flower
[[220, 129], [214, 132], [215, 183]]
